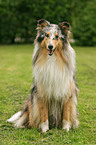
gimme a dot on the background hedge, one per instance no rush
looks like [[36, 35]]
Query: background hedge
[[18, 19]]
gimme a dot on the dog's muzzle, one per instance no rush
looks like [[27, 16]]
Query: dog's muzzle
[[51, 49]]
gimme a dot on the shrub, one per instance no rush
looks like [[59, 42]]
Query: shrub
[[84, 25], [18, 19]]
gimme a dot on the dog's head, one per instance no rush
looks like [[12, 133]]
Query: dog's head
[[52, 36]]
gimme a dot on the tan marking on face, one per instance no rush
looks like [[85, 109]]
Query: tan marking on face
[[59, 53], [43, 53], [55, 43], [46, 43]]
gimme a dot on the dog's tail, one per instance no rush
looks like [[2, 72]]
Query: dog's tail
[[15, 117], [19, 119]]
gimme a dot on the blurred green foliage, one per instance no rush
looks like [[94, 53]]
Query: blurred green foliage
[[18, 19], [84, 23]]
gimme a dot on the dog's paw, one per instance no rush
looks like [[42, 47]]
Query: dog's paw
[[44, 126], [75, 124], [18, 125], [66, 125]]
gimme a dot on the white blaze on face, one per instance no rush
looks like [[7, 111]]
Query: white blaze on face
[[51, 47]]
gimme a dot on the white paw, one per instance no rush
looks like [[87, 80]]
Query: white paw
[[44, 126], [18, 125], [75, 124], [66, 125]]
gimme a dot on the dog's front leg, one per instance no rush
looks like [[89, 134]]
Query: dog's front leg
[[43, 112], [66, 114]]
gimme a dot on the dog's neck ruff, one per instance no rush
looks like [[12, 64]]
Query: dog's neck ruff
[[53, 81]]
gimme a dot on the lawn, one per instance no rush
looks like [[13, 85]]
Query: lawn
[[15, 84]]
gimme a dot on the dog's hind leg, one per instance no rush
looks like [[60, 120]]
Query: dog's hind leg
[[23, 119]]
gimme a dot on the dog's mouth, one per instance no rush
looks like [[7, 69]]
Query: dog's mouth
[[51, 51]]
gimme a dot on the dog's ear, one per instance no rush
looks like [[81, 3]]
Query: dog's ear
[[65, 27], [42, 23]]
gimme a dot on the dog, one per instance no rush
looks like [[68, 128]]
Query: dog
[[53, 98]]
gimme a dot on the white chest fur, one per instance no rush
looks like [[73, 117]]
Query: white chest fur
[[54, 81]]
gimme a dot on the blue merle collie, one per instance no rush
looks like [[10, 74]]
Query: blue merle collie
[[53, 98]]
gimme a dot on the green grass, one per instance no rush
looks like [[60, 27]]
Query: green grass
[[15, 84]]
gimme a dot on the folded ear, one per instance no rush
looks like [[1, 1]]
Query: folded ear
[[42, 23], [64, 26]]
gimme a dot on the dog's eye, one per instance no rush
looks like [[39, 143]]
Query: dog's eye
[[56, 36], [41, 37], [47, 35]]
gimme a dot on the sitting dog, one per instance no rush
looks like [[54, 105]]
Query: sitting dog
[[53, 98]]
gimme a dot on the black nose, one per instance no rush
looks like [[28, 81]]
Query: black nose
[[50, 46]]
